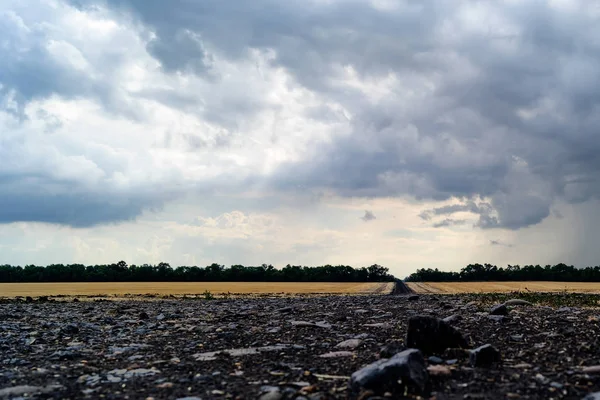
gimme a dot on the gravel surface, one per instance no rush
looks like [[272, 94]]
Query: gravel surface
[[334, 347]]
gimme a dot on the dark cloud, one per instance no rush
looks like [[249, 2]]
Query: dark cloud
[[449, 222], [501, 106], [83, 210], [369, 216]]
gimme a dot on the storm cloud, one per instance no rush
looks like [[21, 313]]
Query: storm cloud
[[492, 105]]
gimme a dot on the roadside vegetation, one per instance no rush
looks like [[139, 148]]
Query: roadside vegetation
[[488, 272], [163, 272]]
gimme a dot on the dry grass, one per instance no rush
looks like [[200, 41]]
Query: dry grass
[[189, 288], [504, 287]]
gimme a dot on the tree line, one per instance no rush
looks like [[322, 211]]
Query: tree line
[[489, 272], [163, 272]]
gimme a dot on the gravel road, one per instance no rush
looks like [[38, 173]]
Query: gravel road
[[334, 347]]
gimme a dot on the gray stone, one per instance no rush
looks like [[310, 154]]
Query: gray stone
[[592, 396], [518, 302], [28, 390], [452, 319], [349, 344], [435, 360], [409, 366]]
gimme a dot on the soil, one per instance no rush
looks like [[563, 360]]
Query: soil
[[286, 348]]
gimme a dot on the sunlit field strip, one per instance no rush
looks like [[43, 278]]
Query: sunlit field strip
[[503, 287], [181, 288]]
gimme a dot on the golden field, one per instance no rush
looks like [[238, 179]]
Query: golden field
[[502, 287], [188, 288]]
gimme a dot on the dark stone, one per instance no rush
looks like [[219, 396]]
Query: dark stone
[[484, 356], [390, 349], [75, 300], [499, 309], [432, 335], [28, 299], [143, 315], [407, 366], [435, 360], [70, 329], [413, 297]]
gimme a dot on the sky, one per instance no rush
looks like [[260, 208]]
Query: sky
[[412, 134]]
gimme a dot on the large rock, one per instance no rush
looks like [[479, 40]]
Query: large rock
[[432, 335], [407, 366], [592, 396]]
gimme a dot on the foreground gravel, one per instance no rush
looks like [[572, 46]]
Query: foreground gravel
[[294, 348]]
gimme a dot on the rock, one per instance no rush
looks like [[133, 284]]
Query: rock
[[517, 302], [390, 349], [484, 356], [274, 395], [143, 315], [337, 354], [349, 344], [270, 393], [497, 318], [593, 369], [413, 297], [592, 396], [439, 370], [435, 360], [409, 366], [452, 319], [432, 335], [28, 390], [499, 309]]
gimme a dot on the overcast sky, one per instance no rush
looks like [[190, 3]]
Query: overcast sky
[[406, 133]]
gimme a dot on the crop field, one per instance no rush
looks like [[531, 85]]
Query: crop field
[[503, 287], [189, 288]]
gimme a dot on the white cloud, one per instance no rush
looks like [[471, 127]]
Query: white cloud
[[268, 138]]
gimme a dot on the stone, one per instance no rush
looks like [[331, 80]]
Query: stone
[[452, 319], [517, 302], [432, 335], [28, 390], [435, 360], [349, 344], [143, 315], [484, 356], [592, 396], [390, 349], [593, 369], [413, 297], [499, 309], [409, 366], [439, 370], [337, 354]]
